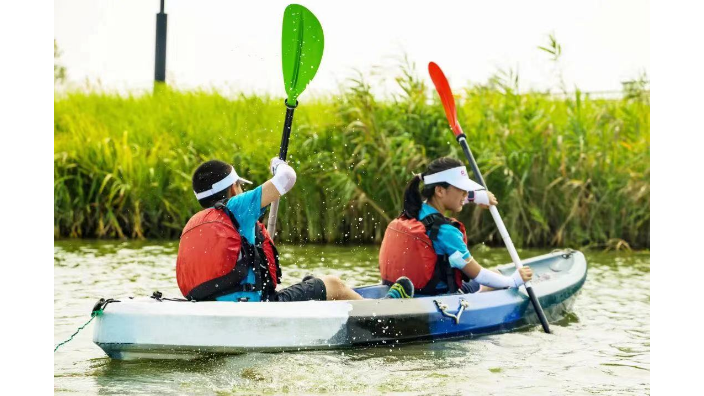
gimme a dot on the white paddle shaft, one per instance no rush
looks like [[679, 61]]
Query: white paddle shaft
[[507, 238], [271, 224]]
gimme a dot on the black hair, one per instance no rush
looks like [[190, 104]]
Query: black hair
[[207, 174], [412, 198]]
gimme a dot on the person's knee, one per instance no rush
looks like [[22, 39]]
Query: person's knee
[[333, 286], [332, 282]]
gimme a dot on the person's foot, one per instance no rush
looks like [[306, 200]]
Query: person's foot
[[403, 288], [307, 277]]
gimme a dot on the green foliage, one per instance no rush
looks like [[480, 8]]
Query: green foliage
[[59, 70]]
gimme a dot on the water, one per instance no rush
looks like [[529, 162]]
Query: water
[[603, 347]]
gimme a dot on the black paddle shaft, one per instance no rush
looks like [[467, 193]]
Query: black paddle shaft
[[288, 121], [462, 139]]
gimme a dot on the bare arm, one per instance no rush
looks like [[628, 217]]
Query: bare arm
[[472, 268], [269, 193]]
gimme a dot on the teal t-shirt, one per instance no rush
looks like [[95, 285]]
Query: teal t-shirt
[[246, 208], [448, 242], [449, 239]]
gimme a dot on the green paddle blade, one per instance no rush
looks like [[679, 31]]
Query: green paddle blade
[[301, 49]]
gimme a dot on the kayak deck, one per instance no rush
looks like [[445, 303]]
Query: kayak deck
[[148, 328]]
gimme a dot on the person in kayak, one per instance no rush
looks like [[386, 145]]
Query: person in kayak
[[226, 254], [448, 266]]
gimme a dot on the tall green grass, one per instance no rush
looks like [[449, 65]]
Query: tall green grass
[[569, 171]]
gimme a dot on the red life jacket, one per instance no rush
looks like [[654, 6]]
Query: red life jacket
[[213, 258], [407, 250]]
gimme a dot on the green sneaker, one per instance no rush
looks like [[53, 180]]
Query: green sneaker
[[403, 288]]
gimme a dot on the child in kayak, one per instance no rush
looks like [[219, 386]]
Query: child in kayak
[[449, 266], [226, 254]]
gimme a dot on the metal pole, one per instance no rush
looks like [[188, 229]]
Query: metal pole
[[160, 53]]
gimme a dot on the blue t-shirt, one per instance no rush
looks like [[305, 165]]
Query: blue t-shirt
[[448, 242], [246, 208], [449, 239]]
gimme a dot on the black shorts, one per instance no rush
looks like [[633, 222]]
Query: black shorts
[[470, 287], [311, 289]]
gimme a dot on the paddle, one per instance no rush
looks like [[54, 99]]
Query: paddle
[[448, 102], [301, 52]]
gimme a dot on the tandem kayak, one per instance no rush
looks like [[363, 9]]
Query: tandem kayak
[[149, 328]]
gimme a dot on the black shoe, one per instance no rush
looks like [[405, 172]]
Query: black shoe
[[403, 288], [307, 277]]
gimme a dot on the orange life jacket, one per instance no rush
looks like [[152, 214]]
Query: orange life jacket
[[407, 250], [213, 258]]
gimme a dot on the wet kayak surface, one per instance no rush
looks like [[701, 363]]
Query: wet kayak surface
[[602, 347]]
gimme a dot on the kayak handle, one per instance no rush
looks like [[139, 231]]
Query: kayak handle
[[443, 309]]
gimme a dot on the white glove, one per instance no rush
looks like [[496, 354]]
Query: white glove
[[481, 197], [284, 176], [275, 162]]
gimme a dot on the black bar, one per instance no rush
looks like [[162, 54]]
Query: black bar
[[288, 121], [160, 53], [470, 158], [538, 310]]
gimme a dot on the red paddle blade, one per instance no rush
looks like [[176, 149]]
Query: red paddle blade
[[448, 101]]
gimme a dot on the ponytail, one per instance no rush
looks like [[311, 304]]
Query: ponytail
[[412, 200]]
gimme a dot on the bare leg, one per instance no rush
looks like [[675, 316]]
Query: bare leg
[[337, 290]]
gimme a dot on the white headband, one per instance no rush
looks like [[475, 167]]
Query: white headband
[[456, 177], [229, 180]]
